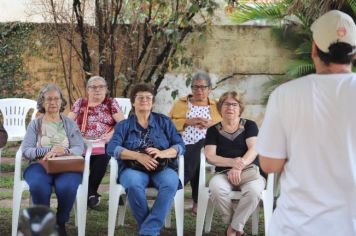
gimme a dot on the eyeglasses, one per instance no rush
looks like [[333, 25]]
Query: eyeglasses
[[142, 98], [93, 87], [50, 99], [201, 87], [233, 105]]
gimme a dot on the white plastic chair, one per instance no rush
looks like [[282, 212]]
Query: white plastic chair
[[14, 112], [116, 190], [80, 205], [125, 105], [206, 208]]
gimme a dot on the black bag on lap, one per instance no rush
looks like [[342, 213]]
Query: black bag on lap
[[162, 164]]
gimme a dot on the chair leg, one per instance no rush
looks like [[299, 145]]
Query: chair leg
[[267, 210], [16, 205], [76, 220], [179, 211], [81, 208], [255, 219], [113, 207], [168, 220], [203, 199], [122, 213], [209, 216]]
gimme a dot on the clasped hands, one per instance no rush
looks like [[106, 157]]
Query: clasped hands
[[148, 159], [201, 123], [55, 151], [234, 174]]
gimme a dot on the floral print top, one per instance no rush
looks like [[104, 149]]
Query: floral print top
[[100, 120]]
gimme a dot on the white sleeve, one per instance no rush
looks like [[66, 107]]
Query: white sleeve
[[271, 140]]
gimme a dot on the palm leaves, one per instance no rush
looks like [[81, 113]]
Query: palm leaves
[[291, 20], [290, 31], [260, 11]]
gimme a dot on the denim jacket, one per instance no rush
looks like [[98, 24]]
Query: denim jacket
[[163, 134]]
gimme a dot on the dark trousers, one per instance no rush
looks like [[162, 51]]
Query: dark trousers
[[98, 164], [192, 166]]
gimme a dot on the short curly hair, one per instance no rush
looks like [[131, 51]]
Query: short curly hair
[[141, 88], [230, 94], [41, 97]]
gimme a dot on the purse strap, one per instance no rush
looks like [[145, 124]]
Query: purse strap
[[85, 118]]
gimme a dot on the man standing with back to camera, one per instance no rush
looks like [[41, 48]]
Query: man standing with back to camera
[[309, 136]]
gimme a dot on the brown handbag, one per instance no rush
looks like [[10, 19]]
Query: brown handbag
[[249, 173], [63, 164]]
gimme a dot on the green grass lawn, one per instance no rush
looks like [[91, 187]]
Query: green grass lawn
[[97, 221]]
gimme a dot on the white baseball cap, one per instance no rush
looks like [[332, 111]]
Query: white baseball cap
[[333, 27]]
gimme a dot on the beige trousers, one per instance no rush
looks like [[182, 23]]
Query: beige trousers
[[235, 213]]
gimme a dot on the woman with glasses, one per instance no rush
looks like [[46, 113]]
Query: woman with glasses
[[51, 135], [96, 117], [229, 145], [192, 115], [146, 146]]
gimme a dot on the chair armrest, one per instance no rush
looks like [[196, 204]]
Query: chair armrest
[[114, 170], [270, 182]]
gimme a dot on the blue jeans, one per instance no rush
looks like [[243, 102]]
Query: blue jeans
[[135, 182], [65, 186]]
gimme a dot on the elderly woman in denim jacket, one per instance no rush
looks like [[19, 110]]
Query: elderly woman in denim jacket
[[51, 135], [156, 136]]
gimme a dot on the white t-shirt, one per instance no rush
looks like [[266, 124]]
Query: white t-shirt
[[311, 121]]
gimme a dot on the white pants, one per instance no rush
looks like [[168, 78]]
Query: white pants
[[235, 213]]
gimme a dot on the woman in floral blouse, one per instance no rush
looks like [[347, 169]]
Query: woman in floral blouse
[[96, 116]]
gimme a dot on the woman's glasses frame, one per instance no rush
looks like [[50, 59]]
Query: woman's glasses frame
[[199, 87], [143, 98], [94, 87]]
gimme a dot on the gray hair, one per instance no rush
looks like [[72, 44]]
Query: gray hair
[[202, 75], [41, 97], [96, 77]]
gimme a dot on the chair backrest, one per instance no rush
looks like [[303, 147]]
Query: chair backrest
[[125, 105], [14, 112]]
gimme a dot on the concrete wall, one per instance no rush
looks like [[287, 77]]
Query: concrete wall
[[248, 54]]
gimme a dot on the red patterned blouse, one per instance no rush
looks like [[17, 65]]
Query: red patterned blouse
[[100, 119]]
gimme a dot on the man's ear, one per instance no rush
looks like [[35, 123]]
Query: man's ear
[[314, 52]]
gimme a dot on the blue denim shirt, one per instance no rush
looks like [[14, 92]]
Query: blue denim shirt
[[163, 133]]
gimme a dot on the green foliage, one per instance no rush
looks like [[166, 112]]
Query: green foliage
[[174, 94], [14, 42], [273, 12], [299, 68], [290, 31]]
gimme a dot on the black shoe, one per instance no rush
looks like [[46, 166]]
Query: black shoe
[[94, 201], [61, 230]]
